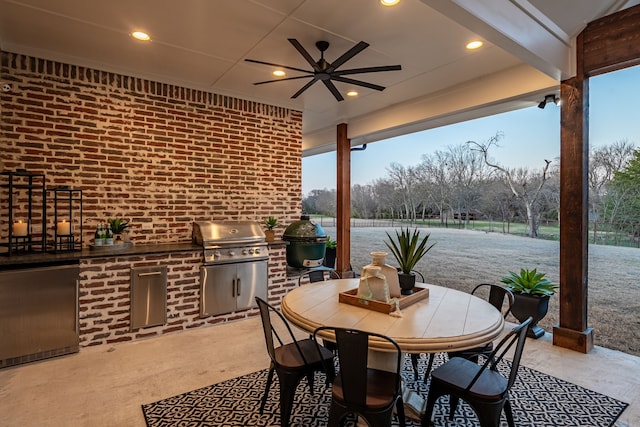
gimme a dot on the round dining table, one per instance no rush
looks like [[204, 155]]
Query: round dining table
[[446, 320]]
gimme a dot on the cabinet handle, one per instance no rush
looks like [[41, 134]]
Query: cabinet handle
[[233, 287], [153, 273], [238, 287]]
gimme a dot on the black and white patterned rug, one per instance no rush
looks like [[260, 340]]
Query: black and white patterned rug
[[538, 400]]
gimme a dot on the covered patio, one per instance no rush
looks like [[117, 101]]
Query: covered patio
[[533, 49], [532, 56]]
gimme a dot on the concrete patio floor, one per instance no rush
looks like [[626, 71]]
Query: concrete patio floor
[[105, 386]]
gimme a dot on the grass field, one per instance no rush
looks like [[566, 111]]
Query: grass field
[[463, 258]]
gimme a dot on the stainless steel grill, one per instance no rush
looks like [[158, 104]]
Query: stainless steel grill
[[235, 269], [226, 242]]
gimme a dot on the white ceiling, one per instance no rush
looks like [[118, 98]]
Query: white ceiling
[[202, 44]]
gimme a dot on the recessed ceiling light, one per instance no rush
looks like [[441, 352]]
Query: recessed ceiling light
[[389, 2], [474, 45], [139, 35], [352, 93], [279, 73]]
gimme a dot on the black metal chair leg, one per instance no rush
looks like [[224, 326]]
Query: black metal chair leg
[[266, 390], [431, 356], [288, 384], [453, 404], [400, 412], [414, 362], [508, 413]]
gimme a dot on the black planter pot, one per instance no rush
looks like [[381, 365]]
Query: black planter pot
[[330, 258], [407, 283], [531, 305]]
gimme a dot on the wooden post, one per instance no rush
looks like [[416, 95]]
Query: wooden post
[[572, 331], [607, 44], [343, 202]]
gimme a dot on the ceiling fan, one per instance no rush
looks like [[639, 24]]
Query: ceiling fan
[[326, 72]]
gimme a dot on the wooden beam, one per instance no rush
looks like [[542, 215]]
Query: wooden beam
[[612, 42], [343, 202]]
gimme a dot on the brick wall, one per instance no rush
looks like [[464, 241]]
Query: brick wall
[[105, 302], [160, 155]]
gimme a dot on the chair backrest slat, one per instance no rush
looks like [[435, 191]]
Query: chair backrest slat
[[269, 331], [353, 357], [497, 295], [516, 335]]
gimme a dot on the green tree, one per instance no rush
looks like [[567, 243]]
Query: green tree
[[622, 201]]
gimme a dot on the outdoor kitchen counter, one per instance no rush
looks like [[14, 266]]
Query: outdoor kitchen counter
[[34, 258]]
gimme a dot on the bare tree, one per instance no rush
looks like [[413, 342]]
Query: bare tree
[[467, 173], [386, 198], [434, 171], [404, 181], [321, 202], [363, 203], [519, 181]]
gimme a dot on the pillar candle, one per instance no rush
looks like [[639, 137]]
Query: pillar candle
[[20, 229], [64, 228]]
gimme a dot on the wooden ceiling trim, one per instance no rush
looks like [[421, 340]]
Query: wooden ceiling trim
[[612, 42]]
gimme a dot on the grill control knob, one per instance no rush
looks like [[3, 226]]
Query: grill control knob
[[245, 252], [257, 251], [216, 254], [232, 253]]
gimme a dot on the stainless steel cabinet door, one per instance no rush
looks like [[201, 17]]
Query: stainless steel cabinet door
[[148, 296], [251, 282], [231, 287], [38, 313], [217, 292]]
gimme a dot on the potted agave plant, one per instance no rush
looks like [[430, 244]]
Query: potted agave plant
[[119, 227], [532, 292], [269, 232], [408, 249]]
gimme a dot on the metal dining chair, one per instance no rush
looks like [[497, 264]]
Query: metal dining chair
[[359, 389], [483, 387], [291, 361], [317, 276], [497, 296]]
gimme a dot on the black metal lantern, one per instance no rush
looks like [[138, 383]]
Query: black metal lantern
[[67, 219]]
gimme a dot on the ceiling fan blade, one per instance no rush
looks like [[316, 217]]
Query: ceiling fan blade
[[279, 65], [358, 83], [305, 54], [281, 80], [367, 70], [303, 88], [348, 55], [332, 88]]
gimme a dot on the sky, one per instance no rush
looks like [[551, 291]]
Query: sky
[[530, 135]]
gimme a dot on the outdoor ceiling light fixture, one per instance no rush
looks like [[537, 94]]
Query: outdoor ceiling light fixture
[[547, 99]]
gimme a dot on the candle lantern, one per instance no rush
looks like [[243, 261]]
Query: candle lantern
[[26, 212], [67, 219]]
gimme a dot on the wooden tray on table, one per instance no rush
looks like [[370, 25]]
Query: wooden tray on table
[[350, 297]]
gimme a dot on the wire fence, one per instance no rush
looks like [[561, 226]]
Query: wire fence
[[624, 235]]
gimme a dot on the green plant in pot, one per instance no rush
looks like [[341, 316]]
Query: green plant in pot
[[270, 223], [118, 227], [532, 292], [408, 248], [330, 253]]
